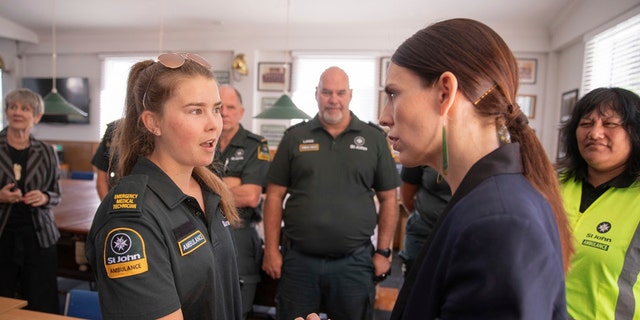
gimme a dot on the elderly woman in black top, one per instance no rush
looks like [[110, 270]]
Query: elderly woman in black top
[[29, 188]]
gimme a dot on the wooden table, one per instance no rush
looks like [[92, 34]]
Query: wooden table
[[79, 202], [73, 216], [22, 314], [7, 304]]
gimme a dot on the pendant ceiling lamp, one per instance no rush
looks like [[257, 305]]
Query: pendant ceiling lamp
[[54, 103], [284, 108]]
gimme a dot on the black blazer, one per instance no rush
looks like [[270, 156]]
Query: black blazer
[[43, 173], [496, 253]]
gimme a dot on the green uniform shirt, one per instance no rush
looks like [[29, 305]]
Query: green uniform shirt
[[602, 282], [153, 250], [101, 159], [331, 182], [247, 157]]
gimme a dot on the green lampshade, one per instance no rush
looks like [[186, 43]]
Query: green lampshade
[[283, 108], [56, 105]]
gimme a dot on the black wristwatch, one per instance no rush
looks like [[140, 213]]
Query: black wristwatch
[[384, 252]]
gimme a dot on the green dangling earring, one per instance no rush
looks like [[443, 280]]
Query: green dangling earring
[[445, 154]]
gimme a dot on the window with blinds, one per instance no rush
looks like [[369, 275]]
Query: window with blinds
[[612, 57]]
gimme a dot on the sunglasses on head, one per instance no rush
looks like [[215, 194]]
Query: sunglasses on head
[[175, 60]]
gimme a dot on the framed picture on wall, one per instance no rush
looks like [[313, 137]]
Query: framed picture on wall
[[267, 102], [274, 76], [527, 69], [527, 103], [562, 148], [569, 99], [384, 65], [273, 134], [222, 76]]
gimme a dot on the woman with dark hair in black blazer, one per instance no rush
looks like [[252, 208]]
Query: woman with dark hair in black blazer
[[29, 188]]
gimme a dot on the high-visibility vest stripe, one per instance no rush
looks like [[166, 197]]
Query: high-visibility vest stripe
[[626, 305]]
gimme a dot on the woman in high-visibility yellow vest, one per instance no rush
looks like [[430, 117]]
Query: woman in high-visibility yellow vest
[[600, 186]]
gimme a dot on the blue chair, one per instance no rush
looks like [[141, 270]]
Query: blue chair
[[82, 304], [82, 175]]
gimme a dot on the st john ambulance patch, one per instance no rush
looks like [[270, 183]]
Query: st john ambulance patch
[[125, 253]]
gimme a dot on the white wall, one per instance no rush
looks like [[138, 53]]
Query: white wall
[[70, 65], [567, 75]]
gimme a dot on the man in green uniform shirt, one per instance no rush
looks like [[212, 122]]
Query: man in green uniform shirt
[[245, 161], [102, 162], [331, 167]]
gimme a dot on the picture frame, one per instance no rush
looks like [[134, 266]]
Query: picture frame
[[274, 76], [562, 148], [384, 65], [527, 70], [222, 76], [382, 101], [567, 103], [527, 103], [273, 133], [267, 102]]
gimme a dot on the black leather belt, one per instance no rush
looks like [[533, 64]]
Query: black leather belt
[[336, 256]]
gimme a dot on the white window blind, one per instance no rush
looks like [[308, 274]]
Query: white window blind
[[362, 79], [612, 57]]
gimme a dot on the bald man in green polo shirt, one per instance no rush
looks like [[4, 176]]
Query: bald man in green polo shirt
[[331, 167]]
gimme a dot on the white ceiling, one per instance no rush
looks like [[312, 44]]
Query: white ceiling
[[148, 15]]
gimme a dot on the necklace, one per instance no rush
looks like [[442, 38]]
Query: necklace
[[19, 159]]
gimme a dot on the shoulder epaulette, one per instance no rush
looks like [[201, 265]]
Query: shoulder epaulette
[[114, 123], [254, 136], [263, 151], [296, 125], [127, 194], [377, 126]]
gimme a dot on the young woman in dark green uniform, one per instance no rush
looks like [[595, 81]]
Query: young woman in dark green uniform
[[160, 244]]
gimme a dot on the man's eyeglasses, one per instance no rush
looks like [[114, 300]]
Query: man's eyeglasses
[[175, 60]]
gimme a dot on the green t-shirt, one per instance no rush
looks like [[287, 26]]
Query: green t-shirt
[[331, 183]]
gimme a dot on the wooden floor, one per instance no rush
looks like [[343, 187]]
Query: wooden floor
[[386, 298], [387, 291]]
